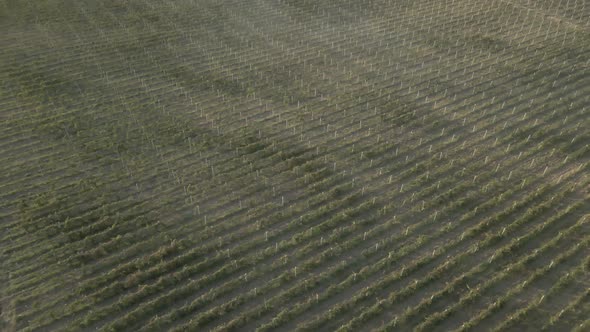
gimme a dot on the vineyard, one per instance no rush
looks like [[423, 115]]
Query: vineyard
[[310, 165]]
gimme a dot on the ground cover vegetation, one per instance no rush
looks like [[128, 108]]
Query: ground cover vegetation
[[267, 165]]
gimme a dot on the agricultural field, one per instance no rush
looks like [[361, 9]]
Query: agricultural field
[[278, 165]]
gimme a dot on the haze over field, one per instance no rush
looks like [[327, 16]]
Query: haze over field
[[280, 165]]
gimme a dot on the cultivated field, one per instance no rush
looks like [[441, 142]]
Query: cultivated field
[[310, 165]]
